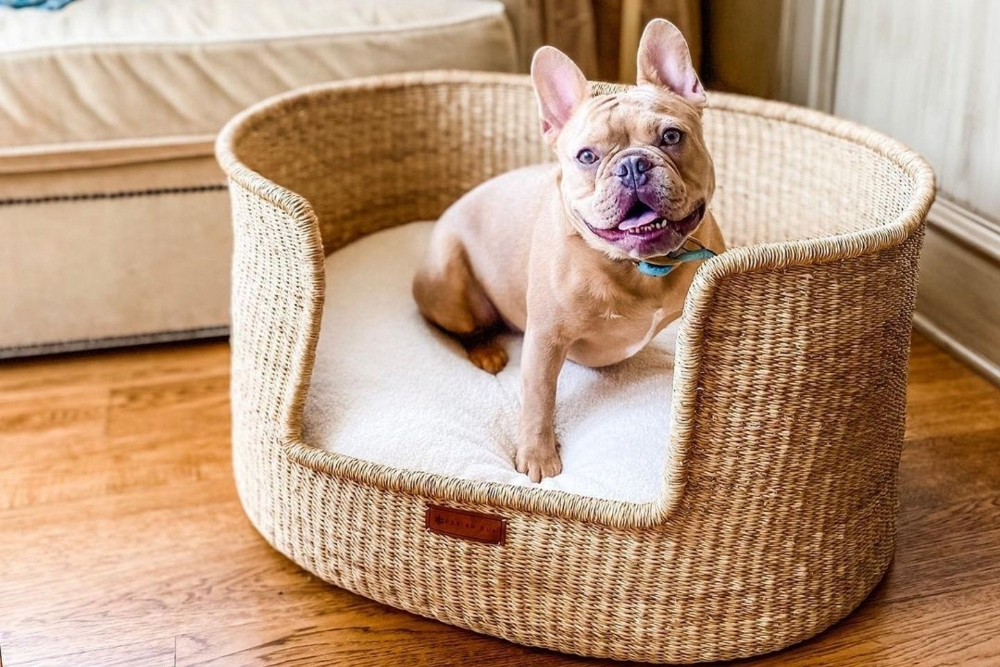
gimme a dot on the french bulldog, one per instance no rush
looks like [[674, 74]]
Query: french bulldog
[[590, 256]]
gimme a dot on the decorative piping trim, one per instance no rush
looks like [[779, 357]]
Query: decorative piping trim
[[485, 13], [87, 344], [124, 194]]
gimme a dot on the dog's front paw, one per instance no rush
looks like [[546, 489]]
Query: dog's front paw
[[538, 461]]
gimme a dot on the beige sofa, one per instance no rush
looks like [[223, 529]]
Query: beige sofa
[[114, 217]]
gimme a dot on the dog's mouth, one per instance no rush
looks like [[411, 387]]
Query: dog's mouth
[[642, 223]]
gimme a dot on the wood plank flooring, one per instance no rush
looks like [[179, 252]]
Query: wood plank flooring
[[122, 541]]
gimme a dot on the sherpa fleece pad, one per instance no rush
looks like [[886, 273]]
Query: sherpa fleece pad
[[388, 387]]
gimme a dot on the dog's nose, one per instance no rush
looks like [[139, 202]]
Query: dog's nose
[[632, 170]]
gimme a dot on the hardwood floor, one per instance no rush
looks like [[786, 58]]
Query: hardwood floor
[[122, 541]]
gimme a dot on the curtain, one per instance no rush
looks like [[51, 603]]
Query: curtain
[[589, 31]]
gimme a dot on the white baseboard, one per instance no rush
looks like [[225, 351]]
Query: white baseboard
[[958, 301], [950, 345], [966, 226]]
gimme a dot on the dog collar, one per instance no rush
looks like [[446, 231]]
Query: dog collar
[[675, 258]]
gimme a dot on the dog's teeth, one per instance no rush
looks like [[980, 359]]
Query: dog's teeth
[[649, 227]]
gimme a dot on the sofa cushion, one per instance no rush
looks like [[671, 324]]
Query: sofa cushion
[[106, 82]]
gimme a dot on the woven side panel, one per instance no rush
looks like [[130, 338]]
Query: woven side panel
[[277, 294], [782, 181], [374, 158], [791, 485]]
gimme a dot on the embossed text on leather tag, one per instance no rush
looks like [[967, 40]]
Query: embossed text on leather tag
[[466, 525]]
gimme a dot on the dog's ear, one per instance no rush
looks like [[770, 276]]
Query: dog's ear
[[559, 87], [664, 60]]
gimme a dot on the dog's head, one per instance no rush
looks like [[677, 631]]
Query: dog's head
[[636, 176]]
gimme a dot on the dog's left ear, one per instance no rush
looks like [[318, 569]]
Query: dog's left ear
[[559, 87], [664, 60]]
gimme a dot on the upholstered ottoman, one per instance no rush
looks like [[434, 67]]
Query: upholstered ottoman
[[114, 225]]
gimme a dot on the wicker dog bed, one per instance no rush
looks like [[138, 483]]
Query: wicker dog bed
[[777, 515]]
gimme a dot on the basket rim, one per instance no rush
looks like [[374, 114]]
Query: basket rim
[[760, 257]]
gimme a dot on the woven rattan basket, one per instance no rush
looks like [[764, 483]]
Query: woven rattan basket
[[779, 504]]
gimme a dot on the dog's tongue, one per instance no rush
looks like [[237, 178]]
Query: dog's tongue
[[643, 218]]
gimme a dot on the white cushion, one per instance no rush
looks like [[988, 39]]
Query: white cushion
[[389, 388], [108, 82]]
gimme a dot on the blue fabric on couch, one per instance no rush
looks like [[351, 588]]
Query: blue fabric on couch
[[37, 4]]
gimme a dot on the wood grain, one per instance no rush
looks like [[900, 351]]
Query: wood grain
[[122, 541]]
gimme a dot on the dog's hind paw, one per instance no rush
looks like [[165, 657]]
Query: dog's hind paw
[[490, 356]]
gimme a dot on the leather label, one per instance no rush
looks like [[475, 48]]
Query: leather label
[[464, 525]]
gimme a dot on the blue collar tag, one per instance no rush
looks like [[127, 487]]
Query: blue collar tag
[[674, 259]]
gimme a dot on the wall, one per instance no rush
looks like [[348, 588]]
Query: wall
[[928, 73]]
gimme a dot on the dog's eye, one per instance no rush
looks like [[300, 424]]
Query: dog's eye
[[672, 137], [586, 156]]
